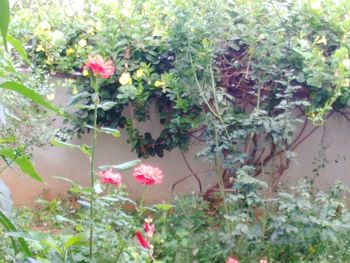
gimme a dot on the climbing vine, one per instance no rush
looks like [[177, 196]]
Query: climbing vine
[[238, 76]]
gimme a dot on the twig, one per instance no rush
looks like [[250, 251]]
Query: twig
[[192, 172]]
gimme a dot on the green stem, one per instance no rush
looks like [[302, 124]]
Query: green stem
[[140, 212], [92, 170], [124, 243], [219, 172], [142, 198]]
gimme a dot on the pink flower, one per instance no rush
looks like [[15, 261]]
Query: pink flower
[[149, 229], [108, 177], [99, 66], [148, 175], [142, 241], [264, 260], [232, 260]]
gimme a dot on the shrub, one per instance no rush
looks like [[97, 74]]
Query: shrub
[[229, 74], [297, 224]]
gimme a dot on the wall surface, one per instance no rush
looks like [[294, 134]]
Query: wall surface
[[329, 146], [72, 164]]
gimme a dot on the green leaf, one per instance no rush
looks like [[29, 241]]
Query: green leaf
[[115, 133], [30, 94], [163, 207], [22, 161], [4, 19], [75, 99], [107, 105], [9, 226], [17, 45], [55, 142], [122, 166], [86, 150], [83, 148], [53, 244], [8, 139], [64, 179], [73, 241]]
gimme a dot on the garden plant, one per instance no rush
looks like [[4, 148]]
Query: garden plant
[[243, 79]]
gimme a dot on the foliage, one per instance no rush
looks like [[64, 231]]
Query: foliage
[[19, 116], [11, 155], [4, 19], [63, 228], [231, 74], [298, 224]]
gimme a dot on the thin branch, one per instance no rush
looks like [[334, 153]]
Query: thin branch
[[192, 172]]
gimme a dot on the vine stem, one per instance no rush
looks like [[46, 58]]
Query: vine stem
[[219, 173], [92, 168], [140, 212], [120, 251]]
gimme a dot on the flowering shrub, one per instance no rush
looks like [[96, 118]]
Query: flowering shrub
[[227, 73], [233, 84], [298, 225]]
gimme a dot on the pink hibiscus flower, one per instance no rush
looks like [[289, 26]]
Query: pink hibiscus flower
[[108, 177], [148, 175], [99, 66]]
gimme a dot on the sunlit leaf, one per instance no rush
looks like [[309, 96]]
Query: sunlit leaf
[[17, 45], [122, 166], [22, 161], [30, 94], [4, 19], [83, 148], [115, 133], [10, 226], [74, 241]]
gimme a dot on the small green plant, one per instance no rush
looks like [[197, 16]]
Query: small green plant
[[10, 155]]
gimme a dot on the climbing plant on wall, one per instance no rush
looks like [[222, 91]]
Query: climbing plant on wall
[[239, 76]]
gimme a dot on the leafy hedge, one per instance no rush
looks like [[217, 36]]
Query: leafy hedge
[[205, 65]]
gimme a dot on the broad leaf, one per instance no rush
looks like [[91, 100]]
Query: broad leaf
[[10, 227], [22, 161], [107, 105], [4, 19], [122, 166], [8, 139], [74, 241], [64, 144], [17, 45], [30, 94], [75, 99], [83, 148], [164, 207], [115, 133]]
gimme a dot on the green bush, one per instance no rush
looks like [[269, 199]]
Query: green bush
[[298, 224], [231, 74], [227, 73]]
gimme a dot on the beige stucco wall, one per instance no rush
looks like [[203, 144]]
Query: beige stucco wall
[[335, 137], [72, 164]]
